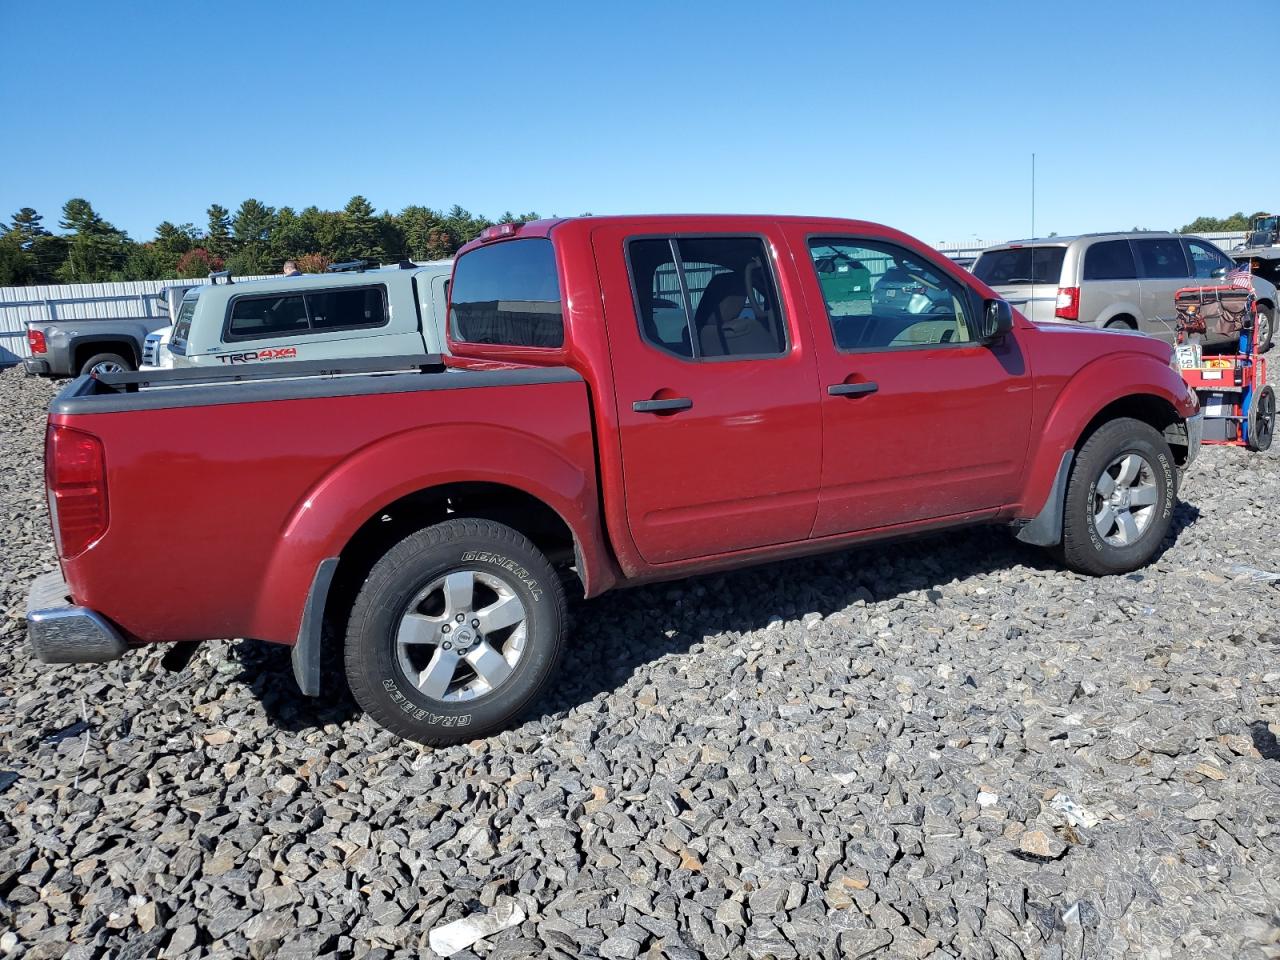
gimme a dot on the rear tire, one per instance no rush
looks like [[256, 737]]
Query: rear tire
[[105, 363], [1118, 324], [1262, 420], [419, 654], [1120, 499]]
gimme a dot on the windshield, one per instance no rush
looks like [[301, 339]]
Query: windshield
[[1020, 266], [1268, 224]]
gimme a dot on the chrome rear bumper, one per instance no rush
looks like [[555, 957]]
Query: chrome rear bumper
[[60, 632]]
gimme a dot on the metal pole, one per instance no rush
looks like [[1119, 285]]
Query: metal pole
[[1033, 195]]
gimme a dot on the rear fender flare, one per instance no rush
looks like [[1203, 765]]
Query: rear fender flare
[[354, 491]]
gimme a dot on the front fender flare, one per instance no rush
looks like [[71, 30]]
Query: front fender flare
[[1085, 395]]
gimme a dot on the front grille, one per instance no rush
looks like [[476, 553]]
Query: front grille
[[151, 351]]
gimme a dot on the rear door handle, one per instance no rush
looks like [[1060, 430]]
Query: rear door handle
[[852, 389], [662, 406]]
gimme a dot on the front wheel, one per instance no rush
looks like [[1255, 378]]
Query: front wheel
[[1265, 329], [456, 630], [1120, 499]]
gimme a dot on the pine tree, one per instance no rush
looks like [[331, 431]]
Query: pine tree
[[27, 226], [219, 233], [360, 239]]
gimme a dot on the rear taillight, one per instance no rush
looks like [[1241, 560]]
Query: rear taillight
[[76, 475], [1067, 306], [35, 340]]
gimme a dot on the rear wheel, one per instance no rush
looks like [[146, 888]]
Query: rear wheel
[[1120, 499], [1262, 419], [455, 631], [105, 363], [1118, 324]]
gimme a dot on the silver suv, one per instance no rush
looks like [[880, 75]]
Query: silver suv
[[1120, 280]]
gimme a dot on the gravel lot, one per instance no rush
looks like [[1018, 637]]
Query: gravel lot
[[942, 749]]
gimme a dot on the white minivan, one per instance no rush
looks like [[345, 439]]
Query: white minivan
[[388, 312]]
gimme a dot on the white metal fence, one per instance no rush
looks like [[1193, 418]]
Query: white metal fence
[[103, 301], [75, 301]]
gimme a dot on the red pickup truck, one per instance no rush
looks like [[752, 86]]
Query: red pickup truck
[[629, 399]]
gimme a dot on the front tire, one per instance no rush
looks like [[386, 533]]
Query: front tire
[[456, 630], [1120, 499], [1266, 328]]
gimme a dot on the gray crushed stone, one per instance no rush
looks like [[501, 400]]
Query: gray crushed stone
[[948, 748]]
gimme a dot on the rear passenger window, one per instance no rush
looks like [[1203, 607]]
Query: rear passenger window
[[508, 293], [707, 297], [1163, 258], [347, 309], [253, 317], [880, 296], [1109, 260]]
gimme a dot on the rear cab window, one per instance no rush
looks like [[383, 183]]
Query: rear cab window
[[182, 323], [507, 293], [1020, 266], [707, 298], [320, 311]]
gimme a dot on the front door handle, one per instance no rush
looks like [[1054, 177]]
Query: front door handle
[[853, 389], [662, 406]]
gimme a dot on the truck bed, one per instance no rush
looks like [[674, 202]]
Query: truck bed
[[296, 458]]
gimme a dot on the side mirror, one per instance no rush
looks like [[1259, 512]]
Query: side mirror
[[997, 320]]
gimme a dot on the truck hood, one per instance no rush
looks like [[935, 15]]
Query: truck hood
[[1133, 340]]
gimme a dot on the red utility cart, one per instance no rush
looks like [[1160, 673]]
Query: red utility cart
[[1239, 406]]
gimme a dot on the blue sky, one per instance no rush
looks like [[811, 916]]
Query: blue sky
[[922, 115]]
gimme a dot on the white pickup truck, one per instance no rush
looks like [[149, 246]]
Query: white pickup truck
[[389, 312]]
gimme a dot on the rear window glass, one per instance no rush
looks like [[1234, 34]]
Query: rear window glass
[[508, 293], [268, 316], [1020, 267], [1162, 258], [1109, 260], [349, 308], [182, 323]]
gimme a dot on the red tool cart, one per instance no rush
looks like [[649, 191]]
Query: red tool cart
[[1239, 406]]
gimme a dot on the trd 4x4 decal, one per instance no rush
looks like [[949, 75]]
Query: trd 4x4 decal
[[271, 353]]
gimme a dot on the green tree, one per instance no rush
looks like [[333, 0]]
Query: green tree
[[360, 233], [27, 227], [251, 228], [49, 252], [146, 261], [218, 235], [97, 249], [17, 266], [291, 237]]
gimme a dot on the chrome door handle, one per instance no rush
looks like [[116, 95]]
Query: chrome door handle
[[662, 406], [852, 389]]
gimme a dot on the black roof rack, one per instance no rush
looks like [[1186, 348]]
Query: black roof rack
[[348, 266], [220, 275]]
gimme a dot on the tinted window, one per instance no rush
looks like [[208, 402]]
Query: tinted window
[[1162, 258], [1020, 267], [659, 301], [707, 297], [880, 296], [1206, 259], [268, 316], [508, 293], [361, 307], [1109, 260], [182, 323]]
